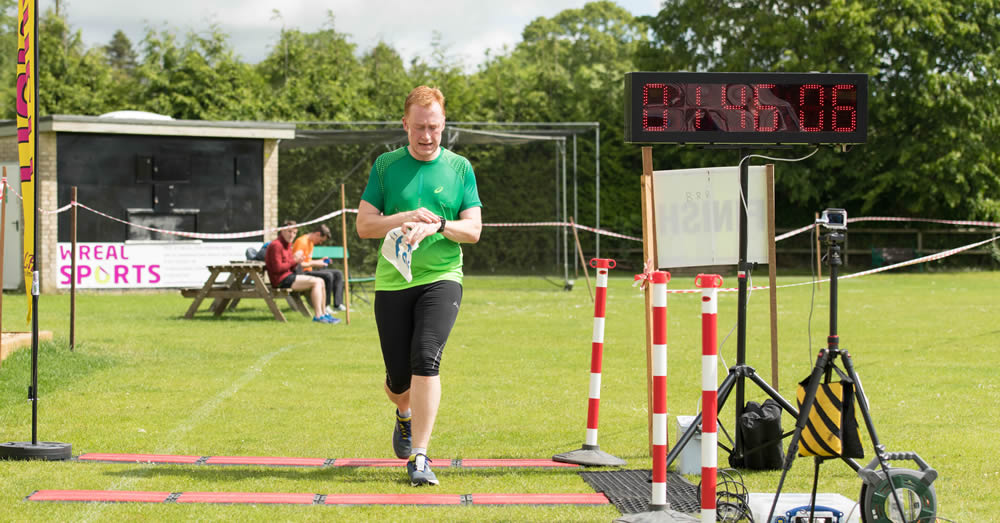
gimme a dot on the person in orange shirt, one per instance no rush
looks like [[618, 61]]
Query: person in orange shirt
[[320, 268]]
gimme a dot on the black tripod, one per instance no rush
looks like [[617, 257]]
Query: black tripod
[[825, 365], [739, 372]]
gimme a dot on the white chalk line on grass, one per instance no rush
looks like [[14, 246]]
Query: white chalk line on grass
[[202, 412]]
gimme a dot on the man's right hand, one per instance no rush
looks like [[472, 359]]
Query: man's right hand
[[422, 215]]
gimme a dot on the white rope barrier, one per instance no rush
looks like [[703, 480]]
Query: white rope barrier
[[931, 257], [800, 230]]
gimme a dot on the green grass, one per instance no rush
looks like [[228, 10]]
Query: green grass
[[515, 375]]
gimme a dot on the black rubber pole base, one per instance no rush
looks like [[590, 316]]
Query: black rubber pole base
[[44, 450]]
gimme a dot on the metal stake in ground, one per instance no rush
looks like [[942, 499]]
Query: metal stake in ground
[[591, 454], [709, 285], [659, 509], [34, 449]]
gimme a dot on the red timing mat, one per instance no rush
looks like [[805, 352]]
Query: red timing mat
[[251, 460], [139, 458], [515, 463], [246, 497], [393, 499], [109, 496], [314, 462], [539, 499], [339, 462]]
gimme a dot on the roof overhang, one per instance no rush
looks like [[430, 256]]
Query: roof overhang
[[61, 123]]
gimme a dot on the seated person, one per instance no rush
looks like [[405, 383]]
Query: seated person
[[334, 279], [282, 268]]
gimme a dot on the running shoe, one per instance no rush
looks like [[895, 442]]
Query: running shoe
[[419, 470], [401, 443], [326, 318]]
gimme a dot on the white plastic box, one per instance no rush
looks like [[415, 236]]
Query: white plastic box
[[689, 461]]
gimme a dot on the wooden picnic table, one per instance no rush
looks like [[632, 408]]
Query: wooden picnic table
[[245, 281]]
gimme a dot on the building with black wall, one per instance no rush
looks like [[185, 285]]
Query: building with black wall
[[192, 176]]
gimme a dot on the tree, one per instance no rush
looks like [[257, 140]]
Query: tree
[[121, 56], [198, 80], [315, 76], [567, 68], [387, 82], [933, 82], [71, 78]]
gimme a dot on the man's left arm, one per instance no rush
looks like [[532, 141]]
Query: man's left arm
[[467, 228]]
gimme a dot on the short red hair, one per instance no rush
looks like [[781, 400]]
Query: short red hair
[[423, 96]]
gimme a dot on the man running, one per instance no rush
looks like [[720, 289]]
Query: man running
[[430, 193]]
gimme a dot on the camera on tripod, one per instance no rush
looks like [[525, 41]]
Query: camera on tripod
[[833, 219]]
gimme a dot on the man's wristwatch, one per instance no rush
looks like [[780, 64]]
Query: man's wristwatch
[[443, 221]]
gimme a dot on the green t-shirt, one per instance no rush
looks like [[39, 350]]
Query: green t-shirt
[[445, 186]]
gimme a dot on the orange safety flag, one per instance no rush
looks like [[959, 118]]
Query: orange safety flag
[[27, 122]]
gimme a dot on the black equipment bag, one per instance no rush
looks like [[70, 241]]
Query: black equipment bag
[[761, 425]]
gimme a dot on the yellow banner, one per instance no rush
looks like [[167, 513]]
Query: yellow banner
[[26, 127]]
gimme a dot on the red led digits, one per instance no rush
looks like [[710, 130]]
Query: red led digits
[[759, 108], [658, 120], [746, 108], [845, 94], [742, 107], [698, 114], [811, 108]]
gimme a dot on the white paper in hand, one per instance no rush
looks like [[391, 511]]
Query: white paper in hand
[[398, 252]]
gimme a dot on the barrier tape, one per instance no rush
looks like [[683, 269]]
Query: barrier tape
[[801, 230], [565, 224], [334, 214], [924, 259], [927, 220], [642, 280], [43, 211], [798, 231], [215, 236], [248, 234]]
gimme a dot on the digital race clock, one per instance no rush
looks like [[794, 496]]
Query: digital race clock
[[746, 108]]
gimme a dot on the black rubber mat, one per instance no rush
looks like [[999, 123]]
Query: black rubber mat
[[631, 490]]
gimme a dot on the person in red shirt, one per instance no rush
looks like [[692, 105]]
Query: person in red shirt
[[283, 268], [333, 278]]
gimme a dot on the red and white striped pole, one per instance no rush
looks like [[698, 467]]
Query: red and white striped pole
[[597, 349], [591, 454], [659, 495], [709, 285]]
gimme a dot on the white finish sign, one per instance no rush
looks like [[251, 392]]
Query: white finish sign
[[144, 264], [697, 213]]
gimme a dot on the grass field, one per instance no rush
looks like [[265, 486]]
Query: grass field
[[515, 376]]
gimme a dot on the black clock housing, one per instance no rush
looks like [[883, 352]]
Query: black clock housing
[[746, 108]]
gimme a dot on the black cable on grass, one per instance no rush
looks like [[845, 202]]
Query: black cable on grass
[[732, 500]]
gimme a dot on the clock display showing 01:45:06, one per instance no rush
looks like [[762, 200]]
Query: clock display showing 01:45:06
[[751, 108]]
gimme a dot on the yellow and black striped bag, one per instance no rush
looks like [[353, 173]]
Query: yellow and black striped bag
[[832, 430]]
